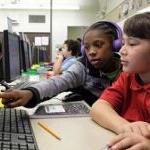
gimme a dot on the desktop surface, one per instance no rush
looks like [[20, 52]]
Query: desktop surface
[[79, 133]]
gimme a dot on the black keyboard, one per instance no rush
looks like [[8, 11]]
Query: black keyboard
[[16, 132], [66, 109], [74, 108]]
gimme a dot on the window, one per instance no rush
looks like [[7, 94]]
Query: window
[[36, 19]]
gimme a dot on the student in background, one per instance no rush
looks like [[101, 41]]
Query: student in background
[[66, 57], [125, 106], [91, 74]]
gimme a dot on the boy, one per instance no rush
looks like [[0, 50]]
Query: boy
[[125, 106], [66, 57]]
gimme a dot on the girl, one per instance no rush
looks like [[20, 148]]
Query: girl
[[89, 76]]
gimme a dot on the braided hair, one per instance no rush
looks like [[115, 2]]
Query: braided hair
[[104, 26]]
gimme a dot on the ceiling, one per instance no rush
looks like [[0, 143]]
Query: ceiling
[[84, 4], [45, 4]]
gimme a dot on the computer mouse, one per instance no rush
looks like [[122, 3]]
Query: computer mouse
[[72, 97], [2, 88], [5, 84]]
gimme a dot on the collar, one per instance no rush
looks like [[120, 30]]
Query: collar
[[70, 57], [113, 75], [135, 85]]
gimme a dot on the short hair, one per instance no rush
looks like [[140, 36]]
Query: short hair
[[138, 26], [73, 46]]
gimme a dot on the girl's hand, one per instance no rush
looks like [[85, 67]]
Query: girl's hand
[[15, 98]]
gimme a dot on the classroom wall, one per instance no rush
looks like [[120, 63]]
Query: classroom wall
[[112, 4], [75, 32], [106, 6], [21, 16], [118, 10], [63, 19]]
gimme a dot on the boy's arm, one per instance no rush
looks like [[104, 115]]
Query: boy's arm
[[103, 113]]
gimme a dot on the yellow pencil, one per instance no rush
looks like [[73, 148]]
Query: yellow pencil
[[51, 131]]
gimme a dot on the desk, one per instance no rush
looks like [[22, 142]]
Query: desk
[[76, 133]]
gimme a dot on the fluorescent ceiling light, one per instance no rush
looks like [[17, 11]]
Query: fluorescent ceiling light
[[55, 7], [25, 7], [66, 7]]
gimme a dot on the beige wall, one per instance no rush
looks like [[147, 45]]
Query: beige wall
[[117, 10], [75, 32], [106, 6]]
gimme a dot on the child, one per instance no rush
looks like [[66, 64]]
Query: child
[[91, 74], [125, 106], [67, 56]]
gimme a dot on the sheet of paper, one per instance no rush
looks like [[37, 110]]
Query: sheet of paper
[[45, 40], [54, 109], [38, 41], [34, 78]]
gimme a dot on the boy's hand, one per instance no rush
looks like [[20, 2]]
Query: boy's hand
[[139, 127], [130, 141], [60, 57], [15, 98]]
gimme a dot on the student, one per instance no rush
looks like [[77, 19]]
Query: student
[[125, 106], [130, 141], [66, 57], [91, 74]]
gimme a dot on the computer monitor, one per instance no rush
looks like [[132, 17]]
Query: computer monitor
[[35, 55], [25, 55], [10, 62], [30, 50]]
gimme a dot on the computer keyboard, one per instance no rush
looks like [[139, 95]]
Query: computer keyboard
[[74, 108], [16, 132], [66, 109]]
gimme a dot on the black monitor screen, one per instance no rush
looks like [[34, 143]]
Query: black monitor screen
[[35, 58], [30, 54], [11, 58], [25, 55]]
